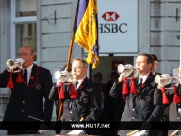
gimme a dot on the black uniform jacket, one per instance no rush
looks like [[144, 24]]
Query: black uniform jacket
[[88, 102], [150, 112], [174, 115], [26, 100]]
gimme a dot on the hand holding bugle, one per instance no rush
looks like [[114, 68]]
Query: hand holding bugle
[[164, 80], [13, 64], [127, 70]]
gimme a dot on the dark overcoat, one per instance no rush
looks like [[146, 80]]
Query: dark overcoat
[[174, 115], [150, 111], [31, 99], [88, 102]]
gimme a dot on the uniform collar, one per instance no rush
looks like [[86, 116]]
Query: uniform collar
[[81, 80], [144, 77], [29, 69]]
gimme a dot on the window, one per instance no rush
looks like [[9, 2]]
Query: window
[[23, 25], [26, 35], [25, 8]]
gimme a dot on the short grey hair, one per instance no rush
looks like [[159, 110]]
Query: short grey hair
[[84, 62]]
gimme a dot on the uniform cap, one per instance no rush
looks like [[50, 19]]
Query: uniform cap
[[154, 57]]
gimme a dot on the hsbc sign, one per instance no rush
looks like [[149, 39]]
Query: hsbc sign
[[110, 16], [118, 26], [111, 27]]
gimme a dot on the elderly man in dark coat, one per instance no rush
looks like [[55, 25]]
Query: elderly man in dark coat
[[29, 87], [81, 98]]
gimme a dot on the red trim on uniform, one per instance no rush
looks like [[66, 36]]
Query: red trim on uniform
[[143, 84], [36, 78]]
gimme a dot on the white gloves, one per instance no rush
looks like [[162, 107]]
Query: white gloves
[[126, 70], [61, 76], [120, 79]]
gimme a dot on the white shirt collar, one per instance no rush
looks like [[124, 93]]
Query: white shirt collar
[[29, 69], [144, 77], [80, 80]]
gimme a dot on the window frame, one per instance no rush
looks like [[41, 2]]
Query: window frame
[[16, 21]]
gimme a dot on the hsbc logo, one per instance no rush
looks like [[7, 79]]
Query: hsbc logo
[[110, 16], [110, 26]]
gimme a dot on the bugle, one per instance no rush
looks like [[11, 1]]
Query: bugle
[[62, 76], [165, 79], [127, 70], [12, 64]]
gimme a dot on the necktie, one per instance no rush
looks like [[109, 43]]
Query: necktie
[[141, 80], [76, 84], [25, 75]]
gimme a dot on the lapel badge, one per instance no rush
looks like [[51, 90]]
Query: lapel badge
[[147, 98], [38, 86], [31, 77], [85, 100]]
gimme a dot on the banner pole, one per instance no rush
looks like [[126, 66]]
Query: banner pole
[[72, 39]]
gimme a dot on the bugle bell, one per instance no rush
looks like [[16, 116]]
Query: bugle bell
[[165, 79], [18, 63], [127, 70], [61, 76]]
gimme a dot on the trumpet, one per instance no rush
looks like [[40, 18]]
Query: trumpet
[[18, 63], [165, 79], [62, 76], [127, 70]]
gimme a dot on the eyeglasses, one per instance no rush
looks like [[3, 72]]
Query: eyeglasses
[[24, 54]]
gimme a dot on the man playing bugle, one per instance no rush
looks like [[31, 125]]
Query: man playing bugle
[[29, 84], [139, 98]]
